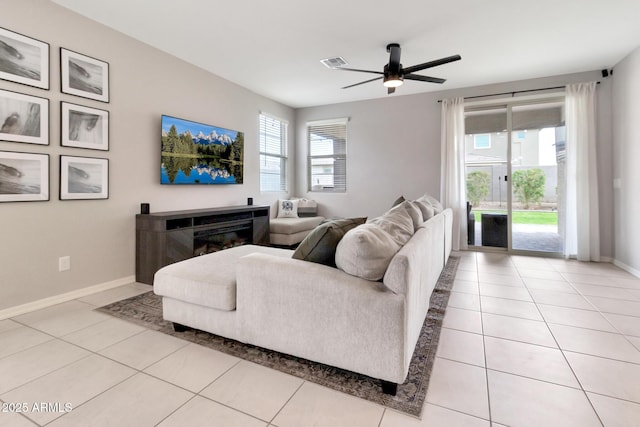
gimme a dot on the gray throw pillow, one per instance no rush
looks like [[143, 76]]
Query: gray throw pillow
[[398, 201], [320, 245]]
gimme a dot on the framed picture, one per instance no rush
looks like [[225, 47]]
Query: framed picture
[[200, 154], [84, 127], [23, 59], [24, 177], [84, 76], [24, 118], [83, 178]]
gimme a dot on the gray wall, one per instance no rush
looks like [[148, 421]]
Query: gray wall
[[394, 148], [626, 133], [99, 235]]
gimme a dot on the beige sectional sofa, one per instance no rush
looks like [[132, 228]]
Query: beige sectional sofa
[[360, 317]]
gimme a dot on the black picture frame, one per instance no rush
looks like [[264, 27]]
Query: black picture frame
[[23, 59], [84, 178], [84, 127], [84, 76], [24, 177], [24, 118]]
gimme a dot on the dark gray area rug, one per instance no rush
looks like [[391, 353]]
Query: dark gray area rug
[[146, 310]]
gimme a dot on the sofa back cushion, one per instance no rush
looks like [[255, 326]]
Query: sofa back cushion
[[397, 223], [366, 251], [320, 245], [430, 200]]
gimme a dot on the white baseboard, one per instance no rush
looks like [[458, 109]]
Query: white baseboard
[[626, 268], [57, 299]]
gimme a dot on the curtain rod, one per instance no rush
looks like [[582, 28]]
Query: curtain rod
[[513, 93]]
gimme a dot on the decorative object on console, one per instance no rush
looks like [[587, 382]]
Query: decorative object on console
[[249, 201], [84, 127], [24, 177], [24, 118], [83, 178], [320, 245], [24, 59], [144, 209], [84, 76], [196, 153]]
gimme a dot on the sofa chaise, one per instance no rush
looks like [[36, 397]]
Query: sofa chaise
[[365, 315]]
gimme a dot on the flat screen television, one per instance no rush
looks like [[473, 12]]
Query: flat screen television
[[196, 153]]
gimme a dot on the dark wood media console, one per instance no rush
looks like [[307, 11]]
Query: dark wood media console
[[163, 238]]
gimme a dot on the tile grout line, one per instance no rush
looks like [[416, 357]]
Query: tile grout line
[[484, 347], [564, 356]]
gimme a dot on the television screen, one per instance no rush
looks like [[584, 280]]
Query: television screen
[[195, 153]]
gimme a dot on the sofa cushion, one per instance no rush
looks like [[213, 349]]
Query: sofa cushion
[[397, 201], [207, 280], [430, 200], [320, 245], [397, 223], [366, 251], [414, 212], [293, 225], [288, 208], [307, 207], [427, 210]]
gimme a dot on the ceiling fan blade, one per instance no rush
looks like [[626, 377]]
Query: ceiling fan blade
[[430, 64], [361, 83], [390, 90], [424, 78], [394, 57], [360, 71]]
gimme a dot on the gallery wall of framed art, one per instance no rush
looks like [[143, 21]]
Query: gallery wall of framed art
[[25, 119]]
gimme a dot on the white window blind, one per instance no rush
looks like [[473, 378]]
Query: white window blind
[[273, 154], [327, 160]]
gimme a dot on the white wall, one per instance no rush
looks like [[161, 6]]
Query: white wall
[[393, 148], [99, 235], [626, 137]]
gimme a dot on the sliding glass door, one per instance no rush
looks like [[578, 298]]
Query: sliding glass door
[[514, 156]]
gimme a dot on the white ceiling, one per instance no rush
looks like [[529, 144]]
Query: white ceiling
[[274, 47]]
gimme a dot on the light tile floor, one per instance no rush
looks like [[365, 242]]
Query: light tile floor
[[526, 342]]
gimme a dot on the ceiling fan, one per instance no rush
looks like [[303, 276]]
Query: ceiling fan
[[394, 74]]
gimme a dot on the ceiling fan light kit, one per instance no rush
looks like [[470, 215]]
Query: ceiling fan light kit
[[393, 74]]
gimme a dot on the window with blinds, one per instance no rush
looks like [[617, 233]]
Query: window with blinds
[[327, 161], [273, 154]]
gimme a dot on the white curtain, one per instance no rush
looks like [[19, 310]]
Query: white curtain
[[582, 236], [453, 186]]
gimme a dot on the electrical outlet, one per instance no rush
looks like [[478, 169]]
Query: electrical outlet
[[64, 263]]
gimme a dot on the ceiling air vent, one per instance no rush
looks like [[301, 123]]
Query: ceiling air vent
[[334, 62]]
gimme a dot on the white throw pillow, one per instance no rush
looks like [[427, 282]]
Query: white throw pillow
[[287, 208], [427, 210], [414, 212], [366, 251], [397, 223], [437, 206]]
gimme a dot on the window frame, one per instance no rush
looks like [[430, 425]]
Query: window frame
[[283, 156], [338, 127]]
